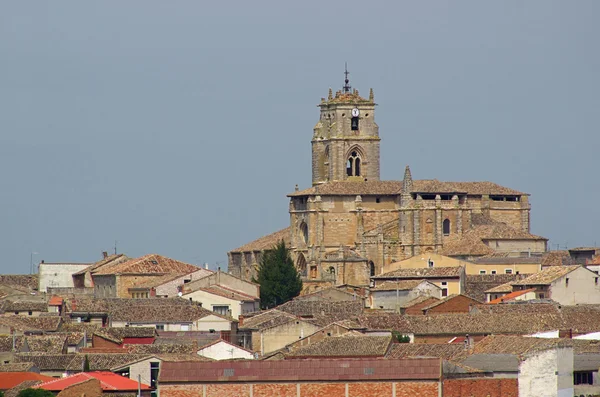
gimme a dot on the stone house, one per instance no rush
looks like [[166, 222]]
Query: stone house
[[167, 286], [223, 279], [449, 279], [82, 279], [115, 280], [350, 224], [225, 301], [24, 307], [392, 295], [567, 285]]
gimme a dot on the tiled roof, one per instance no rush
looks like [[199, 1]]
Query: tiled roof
[[179, 348], [347, 345], [9, 380], [160, 313], [70, 327], [15, 390], [557, 258], [547, 276], [467, 244], [516, 345], [47, 362], [55, 301], [267, 242], [110, 260], [108, 382], [22, 323], [477, 284], [510, 296], [449, 298], [402, 285], [301, 370], [24, 305], [6, 342], [520, 307], [322, 313], [50, 344], [502, 288], [132, 332], [156, 281], [423, 299], [148, 264], [493, 362], [382, 188], [16, 367], [430, 272], [24, 282], [442, 350], [509, 260], [267, 319], [221, 290]]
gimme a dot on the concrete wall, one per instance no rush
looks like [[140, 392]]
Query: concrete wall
[[58, 274], [225, 351], [275, 338], [547, 374], [171, 288], [583, 287]]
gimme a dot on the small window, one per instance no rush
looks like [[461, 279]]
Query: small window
[[446, 227], [567, 281], [30, 312], [16, 312], [444, 291], [493, 272], [444, 283], [160, 327], [430, 263], [221, 309], [377, 199], [542, 296], [482, 272], [596, 280], [508, 271], [583, 378]]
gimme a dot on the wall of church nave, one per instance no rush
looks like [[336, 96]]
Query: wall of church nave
[[511, 217], [428, 227], [372, 219], [339, 229], [382, 255], [379, 202]]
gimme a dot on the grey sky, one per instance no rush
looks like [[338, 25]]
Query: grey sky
[[178, 127]]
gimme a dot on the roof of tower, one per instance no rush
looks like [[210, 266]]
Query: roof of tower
[[431, 186], [346, 97]]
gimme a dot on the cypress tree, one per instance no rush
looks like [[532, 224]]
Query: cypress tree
[[277, 276]]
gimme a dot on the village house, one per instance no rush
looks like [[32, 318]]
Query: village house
[[167, 286], [114, 280], [521, 295], [449, 279], [225, 301], [450, 304], [391, 295], [223, 350], [476, 285], [110, 383], [225, 280], [27, 306], [567, 285], [58, 275], [82, 279], [416, 305]]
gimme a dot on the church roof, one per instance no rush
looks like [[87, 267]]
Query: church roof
[[382, 188], [266, 242]]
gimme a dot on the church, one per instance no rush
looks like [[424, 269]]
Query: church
[[350, 224]]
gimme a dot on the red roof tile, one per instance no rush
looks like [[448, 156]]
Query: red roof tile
[[55, 301], [8, 380], [510, 296], [108, 381]]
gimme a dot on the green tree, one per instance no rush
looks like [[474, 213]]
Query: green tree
[[277, 276], [35, 393]]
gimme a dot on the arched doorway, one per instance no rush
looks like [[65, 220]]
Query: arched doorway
[[301, 265]]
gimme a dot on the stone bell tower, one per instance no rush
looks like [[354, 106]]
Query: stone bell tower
[[345, 143]]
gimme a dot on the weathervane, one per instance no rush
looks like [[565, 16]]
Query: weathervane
[[346, 80]]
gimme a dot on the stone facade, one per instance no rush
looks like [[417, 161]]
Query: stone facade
[[350, 225]]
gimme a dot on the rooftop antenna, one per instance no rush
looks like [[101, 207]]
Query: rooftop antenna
[[347, 86]]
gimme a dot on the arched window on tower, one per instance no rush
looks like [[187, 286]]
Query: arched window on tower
[[304, 232], [446, 227], [353, 165], [371, 268]]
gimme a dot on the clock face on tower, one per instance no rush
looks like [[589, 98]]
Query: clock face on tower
[[355, 112]]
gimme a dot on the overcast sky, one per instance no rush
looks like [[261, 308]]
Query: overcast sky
[[178, 127]]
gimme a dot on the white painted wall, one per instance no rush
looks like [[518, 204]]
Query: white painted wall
[[547, 374], [58, 275], [225, 351], [582, 288], [209, 300]]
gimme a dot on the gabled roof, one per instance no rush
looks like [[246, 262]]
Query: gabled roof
[[147, 265], [223, 291], [442, 350], [548, 276], [51, 344], [151, 314], [17, 367], [510, 296], [108, 382], [105, 262], [23, 305], [346, 345], [423, 299], [430, 272], [450, 298], [502, 288], [266, 242], [267, 319], [322, 313], [477, 284], [22, 323], [557, 258]]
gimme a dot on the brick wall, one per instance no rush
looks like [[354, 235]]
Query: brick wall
[[316, 389], [480, 387]]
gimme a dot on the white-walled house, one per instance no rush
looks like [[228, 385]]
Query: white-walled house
[[226, 280], [390, 295], [224, 301], [223, 350], [567, 285], [58, 275]]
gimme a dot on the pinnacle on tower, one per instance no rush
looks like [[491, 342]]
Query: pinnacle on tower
[[371, 95], [330, 96], [347, 86], [407, 181]]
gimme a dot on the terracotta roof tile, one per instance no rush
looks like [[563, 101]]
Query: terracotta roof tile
[[347, 345], [221, 290], [358, 369], [430, 272], [109, 382], [267, 319], [50, 344], [510, 296], [17, 367], [423, 300], [477, 284], [403, 285], [547, 276], [502, 288], [557, 258], [266, 242], [442, 350], [23, 282], [322, 313], [105, 262], [9, 380], [22, 323], [148, 264], [449, 298]]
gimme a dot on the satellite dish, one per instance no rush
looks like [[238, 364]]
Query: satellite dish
[[180, 294]]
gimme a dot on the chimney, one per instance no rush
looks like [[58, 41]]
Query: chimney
[[206, 265], [104, 254]]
